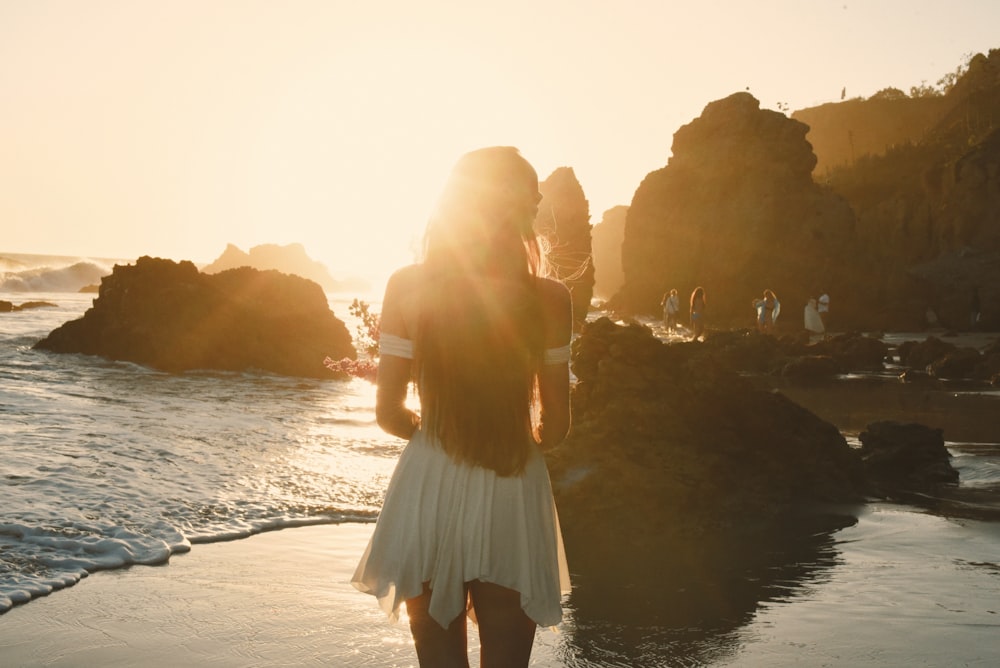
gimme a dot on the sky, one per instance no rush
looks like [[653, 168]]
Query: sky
[[145, 127]]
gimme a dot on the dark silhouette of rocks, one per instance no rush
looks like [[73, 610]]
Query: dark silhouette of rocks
[[564, 221], [904, 217], [670, 446], [842, 132], [905, 456], [940, 359], [736, 210], [9, 307], [928, 208], [681, 462], [169, 316], [606, 239], [289, 259]]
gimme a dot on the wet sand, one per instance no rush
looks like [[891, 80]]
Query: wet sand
[[276, 599]]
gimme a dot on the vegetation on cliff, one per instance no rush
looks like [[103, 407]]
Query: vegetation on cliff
[[903, 221]]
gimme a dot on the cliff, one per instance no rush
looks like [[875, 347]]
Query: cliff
[[736, 210], [606, 239], [289, 259], [564, 221]]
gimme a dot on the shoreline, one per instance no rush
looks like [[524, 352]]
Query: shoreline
[[274, 598]]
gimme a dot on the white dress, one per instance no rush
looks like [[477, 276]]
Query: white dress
[[448, 523]]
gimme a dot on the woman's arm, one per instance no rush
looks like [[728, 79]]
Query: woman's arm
[[394, 373], [553, 379]]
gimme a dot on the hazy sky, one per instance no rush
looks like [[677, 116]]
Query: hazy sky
[[173, 127]]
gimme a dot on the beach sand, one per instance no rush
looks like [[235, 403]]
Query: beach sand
[[280, 598]]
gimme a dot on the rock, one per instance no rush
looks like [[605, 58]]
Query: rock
[[669, 446], [34, 304], [606, 243], [736, 211], [959, 363], [901, 456], [919, 354], [854, 351], [563, 219], [169, 316], [288, 259], [811, 367], [8, 307]]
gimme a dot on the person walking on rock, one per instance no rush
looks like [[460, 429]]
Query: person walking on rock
[[671, 307]]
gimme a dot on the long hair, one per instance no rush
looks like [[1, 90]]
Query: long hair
[[697, 294], [479, 340]]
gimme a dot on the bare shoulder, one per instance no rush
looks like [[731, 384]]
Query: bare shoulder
[[405, 278], [398, 306]]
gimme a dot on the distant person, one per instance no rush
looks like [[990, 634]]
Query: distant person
[[671, 307], [469, 525], [813, 323], [697, 313], [767, 308], [930, 315], [975, 309], [823, 306]]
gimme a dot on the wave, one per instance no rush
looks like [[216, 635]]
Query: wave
[[71, 277]]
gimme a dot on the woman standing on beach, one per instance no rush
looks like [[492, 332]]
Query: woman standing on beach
[[469, 524], [697, 313]]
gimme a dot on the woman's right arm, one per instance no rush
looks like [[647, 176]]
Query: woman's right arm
[[394, 372]]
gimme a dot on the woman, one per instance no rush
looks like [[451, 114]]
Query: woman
[[767, 308], [697, 313], [469, 523], [671, 305]]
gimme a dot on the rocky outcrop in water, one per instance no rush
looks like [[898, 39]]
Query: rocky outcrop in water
[[9, 307], [905, 456], [169, 316], [670, 446], [681, 441]]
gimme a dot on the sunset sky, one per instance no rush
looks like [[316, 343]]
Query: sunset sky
[[171, 128]]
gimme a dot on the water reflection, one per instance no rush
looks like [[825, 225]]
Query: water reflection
[[684, 605]]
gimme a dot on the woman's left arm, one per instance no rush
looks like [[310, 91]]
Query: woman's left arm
[[394, 372]]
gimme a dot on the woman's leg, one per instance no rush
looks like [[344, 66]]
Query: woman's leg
[[505, 632], [436, 646]]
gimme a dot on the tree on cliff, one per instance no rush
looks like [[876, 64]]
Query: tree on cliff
[[563, 220], [930, 207]]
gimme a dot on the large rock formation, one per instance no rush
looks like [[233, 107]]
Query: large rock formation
[[736, 211], [169, 316], [682, 481], [669, 447], [606, 239], [564, 221], [927, 204]]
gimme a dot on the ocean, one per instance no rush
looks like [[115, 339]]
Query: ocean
[[107, 465]]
